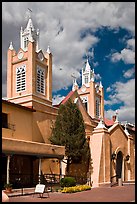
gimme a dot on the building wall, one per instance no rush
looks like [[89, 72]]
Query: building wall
[[33, 126], [22, 120], [42, 125], [119, 142], [29, 126]]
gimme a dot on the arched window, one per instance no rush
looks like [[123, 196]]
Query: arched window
[[40, 84], [97, 106], [21, 78]]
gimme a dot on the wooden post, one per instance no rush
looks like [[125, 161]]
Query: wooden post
[[39, 170], [8, 162]]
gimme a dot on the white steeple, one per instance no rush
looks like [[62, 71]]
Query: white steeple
[[87, 74], [87, 66], [116, 121], [30, 25], [100, 124], [29, 34], [48, 49], [126, 131], [11, 46], [75, 85], [100, 84]]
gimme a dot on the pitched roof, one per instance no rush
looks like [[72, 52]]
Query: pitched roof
[[108, 122], [66, 98]]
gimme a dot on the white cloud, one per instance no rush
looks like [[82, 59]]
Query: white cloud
[[127, 55], [129, 73], [97, 76], [108, 89], [124, 114], [124, 93], [131, 44], [57, 99]]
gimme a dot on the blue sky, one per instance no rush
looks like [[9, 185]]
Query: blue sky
[[105, 31]]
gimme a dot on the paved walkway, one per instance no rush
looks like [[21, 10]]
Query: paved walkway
[[124, 193]]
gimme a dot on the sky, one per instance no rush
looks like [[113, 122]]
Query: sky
[[103, 31]]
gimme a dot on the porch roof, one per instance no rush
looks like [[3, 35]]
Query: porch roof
[[14, 146]]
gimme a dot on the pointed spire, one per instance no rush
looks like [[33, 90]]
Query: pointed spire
[[116, 121], [75, 85], [21, 29], [37, 31], [92, 75], [48, 49], [101, 123], [87, 66], [29, 34], [100, 84], [11, 46], [126, 131], [30, 25]]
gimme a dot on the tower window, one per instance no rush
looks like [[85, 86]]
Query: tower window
[[26, 40], [97, 107], [86, 79], [21, 78], [40, 84]]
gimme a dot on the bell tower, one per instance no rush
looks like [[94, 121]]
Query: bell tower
[[92, 93], [29, 71]]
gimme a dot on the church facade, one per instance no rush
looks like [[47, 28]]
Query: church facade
[[28, 114], [112, 144]]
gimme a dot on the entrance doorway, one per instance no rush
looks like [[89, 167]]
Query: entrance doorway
[[119, 161]]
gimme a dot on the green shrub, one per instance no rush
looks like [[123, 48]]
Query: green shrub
[[67, 182]]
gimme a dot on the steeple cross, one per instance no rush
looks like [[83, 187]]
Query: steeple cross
[[29, 12]]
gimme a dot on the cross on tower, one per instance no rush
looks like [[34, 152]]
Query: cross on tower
[[29, 12]]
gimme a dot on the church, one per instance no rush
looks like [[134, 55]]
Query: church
[[28, 114], [112, 144]]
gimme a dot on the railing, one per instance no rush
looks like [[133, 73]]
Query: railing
[[114, 180], [28, 180], [8, 126]]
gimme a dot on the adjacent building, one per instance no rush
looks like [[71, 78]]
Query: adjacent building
[[28, 114]]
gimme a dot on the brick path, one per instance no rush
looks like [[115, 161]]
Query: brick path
[[124, 193]]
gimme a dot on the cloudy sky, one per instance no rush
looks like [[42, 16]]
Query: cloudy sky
[[105, 31]]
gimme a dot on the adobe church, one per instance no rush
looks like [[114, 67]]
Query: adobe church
[[28, 113], [112, 144]]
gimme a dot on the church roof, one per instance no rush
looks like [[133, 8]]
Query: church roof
[[66, 98], [108, 122]]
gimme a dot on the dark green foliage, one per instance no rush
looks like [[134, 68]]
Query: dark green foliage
[[69, 131], [67, 182]]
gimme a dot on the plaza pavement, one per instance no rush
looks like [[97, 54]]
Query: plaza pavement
[[125, 193]]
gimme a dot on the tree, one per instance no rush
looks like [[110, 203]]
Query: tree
[[69, 131]]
